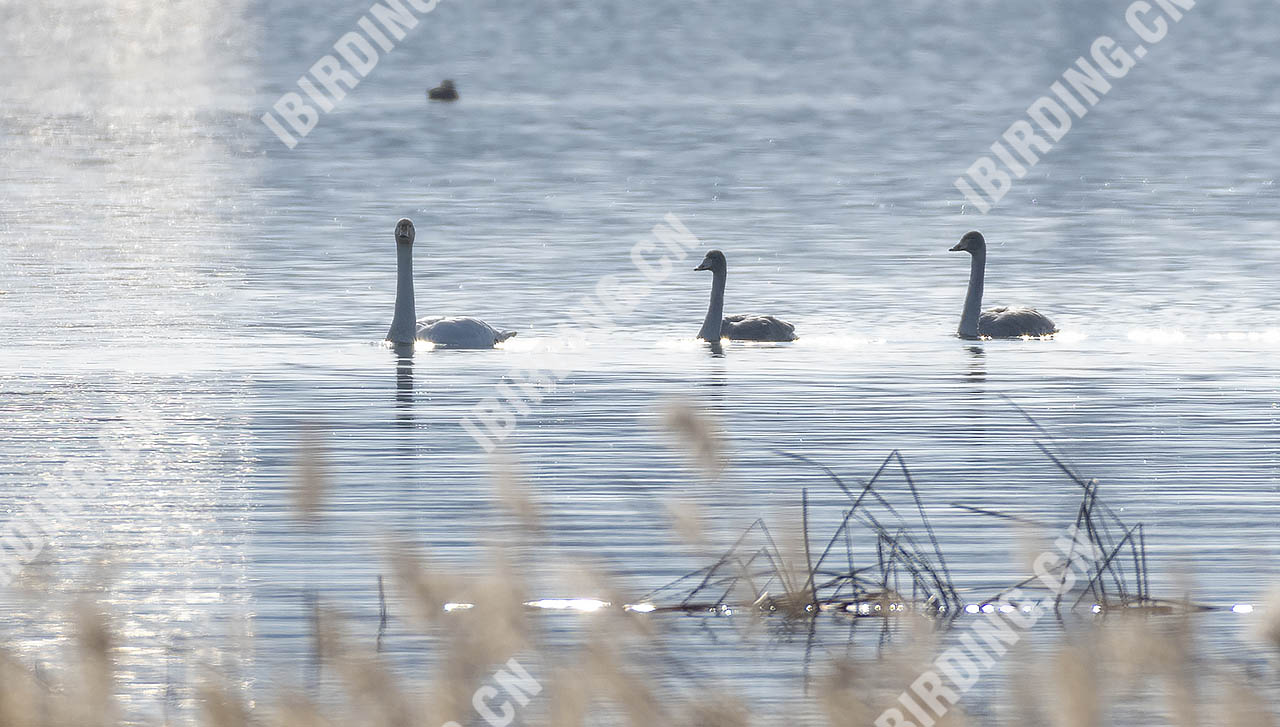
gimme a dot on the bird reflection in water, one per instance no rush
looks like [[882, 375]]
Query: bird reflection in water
[[404, 384], [715, 381], [977, 364]]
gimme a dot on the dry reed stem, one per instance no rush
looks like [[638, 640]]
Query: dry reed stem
[[514, 495], [21, 698], [697, 435], [95, 648], [1243, 707], [686, 520], [786, 574], [1076, 687], [1268, 628], [311, 480], [569, 698]]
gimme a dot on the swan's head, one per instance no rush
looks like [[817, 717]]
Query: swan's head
[[971, 242], [404, 231], [447, 83], [714, 261]]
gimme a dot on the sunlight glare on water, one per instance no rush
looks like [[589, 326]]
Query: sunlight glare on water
[[178, 282]]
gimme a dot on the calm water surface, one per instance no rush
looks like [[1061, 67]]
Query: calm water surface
[[181, 296]]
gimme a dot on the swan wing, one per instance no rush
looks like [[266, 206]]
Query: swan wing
[[750, 327], [1014, 322], [460, 332]]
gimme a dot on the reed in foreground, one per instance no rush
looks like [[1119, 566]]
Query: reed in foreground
[[494, 661]]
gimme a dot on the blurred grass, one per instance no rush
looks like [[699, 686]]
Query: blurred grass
[[1135, 666]]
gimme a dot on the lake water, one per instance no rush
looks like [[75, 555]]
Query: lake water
[[182, 296]]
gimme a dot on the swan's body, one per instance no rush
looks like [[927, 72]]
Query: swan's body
[[994, 322], [444, 92], [1014, 323], [445, 332], [751, 327], [460, 332], [736, 327]]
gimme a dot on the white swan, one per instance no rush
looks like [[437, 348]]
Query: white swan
[[736, 327], [446, 332], [995, 322]]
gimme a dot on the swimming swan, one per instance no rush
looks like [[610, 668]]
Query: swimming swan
[[442, 331], [996, 322], [738, 327]]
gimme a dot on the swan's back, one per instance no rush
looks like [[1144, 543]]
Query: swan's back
[[749, 327], [1014, 323], [460, 332]]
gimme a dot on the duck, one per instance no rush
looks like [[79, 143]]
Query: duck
[[444, 92], [748, 327], [1005, 322], [443, 331]]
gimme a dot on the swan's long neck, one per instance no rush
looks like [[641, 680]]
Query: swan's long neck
[[973, 299], [404, 324], [715, 312]]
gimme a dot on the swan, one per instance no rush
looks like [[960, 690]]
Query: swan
[[444, 92], [446, 332], [736, 327], [995, 322]]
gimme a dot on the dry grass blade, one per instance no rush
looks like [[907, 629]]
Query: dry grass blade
[[311, 482], [698, 435], [514, 494], [882, 559], [686, 521], [1268, 628]]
